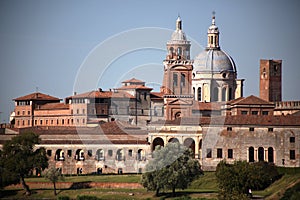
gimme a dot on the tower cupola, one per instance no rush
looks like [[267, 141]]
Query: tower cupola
[[213, 35]]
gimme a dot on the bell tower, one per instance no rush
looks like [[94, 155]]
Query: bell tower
[[177, 80], [270, 80]]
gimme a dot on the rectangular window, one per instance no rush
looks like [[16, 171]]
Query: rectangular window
[[49, 152], [254, 112], [130, 152], [90, 153], [230, 153], [208, 153], [292, 155], [270, 129], [35, 122], [41, 122], [265, 112], [182, 79], [244, 112], [292, 139], [251, 129], [110, 152], [77, 111], [229, 128], [219, 153], [69, 153], [28, 112], [83, 111]]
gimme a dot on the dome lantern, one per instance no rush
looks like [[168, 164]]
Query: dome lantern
[[213, 35]]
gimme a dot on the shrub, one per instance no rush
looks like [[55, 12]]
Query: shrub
[[63, 198]]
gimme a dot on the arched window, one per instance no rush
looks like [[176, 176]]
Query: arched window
[[190, 143], [251, 154], [261, 154], [157, 142], [120, 155], [179, 51], [182, 82], [230, 94], [224, 94], [199, 93], [194, 93], [270, 154], [173, 140], [99, 155], [216, 94]]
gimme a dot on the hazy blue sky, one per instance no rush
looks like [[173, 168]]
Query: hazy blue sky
[[53, 44]]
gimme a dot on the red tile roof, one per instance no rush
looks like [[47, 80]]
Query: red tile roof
[[133, 80], [101, 94], [54, 106], [36, 96], [141, 87], [235, 120], [206, 105], [157, 95], [250, 100]]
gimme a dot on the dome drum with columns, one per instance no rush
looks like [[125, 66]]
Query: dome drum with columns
[[214, 73]]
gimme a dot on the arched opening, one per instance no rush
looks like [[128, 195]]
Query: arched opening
[[224, 94], [251, 154], [157, 142], [261, 154], [230, 94], [179, 51], [79, 156], [141, 155], [99, 155], [173, 140], [271, 154], [199, 93], [120, 155], [59, 155], [216, 94], [99, 170], [190, 143]]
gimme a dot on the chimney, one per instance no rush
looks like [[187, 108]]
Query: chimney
[[100, 89], [75, 93]]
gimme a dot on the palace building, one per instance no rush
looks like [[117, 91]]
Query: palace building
[[200, 105]]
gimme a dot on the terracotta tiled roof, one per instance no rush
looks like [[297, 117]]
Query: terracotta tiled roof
[[141, 87], [133, 80], [235, 120], [157, 95], [36, 96], [101, 94], [250, 100], [206, 105], [54, 106]]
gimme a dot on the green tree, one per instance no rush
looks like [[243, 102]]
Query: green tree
[[19, 157], [236, 179], [53, 175], [172, 167]]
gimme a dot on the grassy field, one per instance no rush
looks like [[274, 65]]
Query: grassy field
[[205, 187], [132, 178]]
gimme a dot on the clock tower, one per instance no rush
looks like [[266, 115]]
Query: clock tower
[[178, 98]]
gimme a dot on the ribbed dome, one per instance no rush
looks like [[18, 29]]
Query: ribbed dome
[[213, 60]]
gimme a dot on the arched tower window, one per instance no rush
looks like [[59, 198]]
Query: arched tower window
[[216, 94], [224, 94], [230, 94], [179, 51]]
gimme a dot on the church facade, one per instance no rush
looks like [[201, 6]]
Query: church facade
[[200, 105]]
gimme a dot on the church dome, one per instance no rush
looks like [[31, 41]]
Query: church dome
[[214, 60]]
